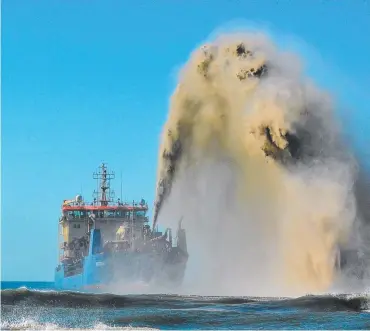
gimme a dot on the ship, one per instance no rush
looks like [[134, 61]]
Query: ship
[[108, 242]]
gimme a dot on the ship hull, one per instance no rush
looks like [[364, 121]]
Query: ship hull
[[103, 272], [113, 272]]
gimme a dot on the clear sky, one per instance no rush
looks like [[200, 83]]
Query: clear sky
[[89, 81]]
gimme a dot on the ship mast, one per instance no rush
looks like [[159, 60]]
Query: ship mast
[[103, 195]]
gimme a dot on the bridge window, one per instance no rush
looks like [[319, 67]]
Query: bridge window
[[77, 214], [122, 213], [109, 213], [140, 214], [99, 213]]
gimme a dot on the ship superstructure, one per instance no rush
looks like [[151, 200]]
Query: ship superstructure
[[109, 241]]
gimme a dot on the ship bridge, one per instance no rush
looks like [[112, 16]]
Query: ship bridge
[[114, 218]]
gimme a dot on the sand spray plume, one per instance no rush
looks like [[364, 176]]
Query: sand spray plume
[[252, 157]]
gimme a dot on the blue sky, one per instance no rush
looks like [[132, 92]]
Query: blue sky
[[89, 81]]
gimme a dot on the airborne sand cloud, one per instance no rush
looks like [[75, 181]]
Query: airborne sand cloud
[[253, 158]]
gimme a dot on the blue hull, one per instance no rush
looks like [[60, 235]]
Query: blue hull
[[89, 275], [89, 278]]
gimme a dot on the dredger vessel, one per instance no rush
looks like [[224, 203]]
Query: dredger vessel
[[108, 241]]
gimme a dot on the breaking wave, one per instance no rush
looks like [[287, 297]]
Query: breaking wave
[[253, 158], [24, 297], [24, 309]]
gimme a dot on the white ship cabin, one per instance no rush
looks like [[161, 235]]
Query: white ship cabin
[[116, 222]]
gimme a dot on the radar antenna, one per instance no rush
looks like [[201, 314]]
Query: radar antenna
[[103, 194]]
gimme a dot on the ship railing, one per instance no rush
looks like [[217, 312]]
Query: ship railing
[[108, 215]]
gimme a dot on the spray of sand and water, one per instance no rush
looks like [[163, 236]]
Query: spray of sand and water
[[254, 161]]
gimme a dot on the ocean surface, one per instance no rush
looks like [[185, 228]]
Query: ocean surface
[[35, 305]]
